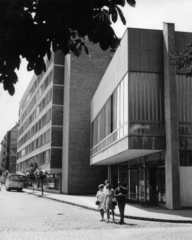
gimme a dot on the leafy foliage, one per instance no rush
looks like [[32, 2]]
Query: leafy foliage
[[31, 168], [41, 174], [5, 174], [184, 59], [31, 28]]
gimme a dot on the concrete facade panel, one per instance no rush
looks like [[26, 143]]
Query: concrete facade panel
[[134, 38], [58, 77], [154, 40], [144, 40], [113, 150], [144, 60], [82, 77], [56, 158], [179, 47], [57, 95], [57, 137], [134, 59], [152, 143], [179, 42], [185, 186], [59, 58], [57, 115], [115, 71], [188, 40]]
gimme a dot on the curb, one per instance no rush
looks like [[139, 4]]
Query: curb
[[126, 216]]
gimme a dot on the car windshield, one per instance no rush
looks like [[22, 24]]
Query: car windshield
[[16, 178]]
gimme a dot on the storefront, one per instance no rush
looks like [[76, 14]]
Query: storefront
[[144, 178], [52, 183]]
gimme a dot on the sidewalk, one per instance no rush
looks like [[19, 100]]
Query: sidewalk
[[132, 211]]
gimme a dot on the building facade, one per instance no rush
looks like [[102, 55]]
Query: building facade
[[141, 119], [9, 150], [54, 122]]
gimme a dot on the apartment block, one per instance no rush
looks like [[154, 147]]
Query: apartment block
[[54, 121], [9, 150]]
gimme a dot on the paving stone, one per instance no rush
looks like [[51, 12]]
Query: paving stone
[[29, 217]]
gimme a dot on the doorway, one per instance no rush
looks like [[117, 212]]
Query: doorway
[[153, 187]]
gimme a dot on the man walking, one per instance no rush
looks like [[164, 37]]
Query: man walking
[[120, 193]]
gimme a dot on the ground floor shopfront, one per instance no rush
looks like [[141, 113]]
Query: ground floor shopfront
[[144, 178], [51, 183]]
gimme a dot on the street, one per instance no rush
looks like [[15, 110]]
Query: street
[[27, 216]]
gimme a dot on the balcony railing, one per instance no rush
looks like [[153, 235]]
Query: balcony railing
[[136, 128], [146, 128]]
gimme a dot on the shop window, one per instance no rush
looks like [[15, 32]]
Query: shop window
[[153, 160], [133, 184], [123, 167], [135, 163], [114, 168], [162, 158], [185, 158], [190, 158]]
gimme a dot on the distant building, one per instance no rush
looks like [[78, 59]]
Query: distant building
[[9, 150], [54, 121], [141, 119]]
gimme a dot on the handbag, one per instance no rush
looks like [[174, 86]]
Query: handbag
[[97, 202], [114, 202]]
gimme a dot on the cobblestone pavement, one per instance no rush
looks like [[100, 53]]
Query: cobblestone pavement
[[26, 216]]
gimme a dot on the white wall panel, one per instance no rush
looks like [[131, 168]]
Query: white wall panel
[[112, 77], [185, 186]]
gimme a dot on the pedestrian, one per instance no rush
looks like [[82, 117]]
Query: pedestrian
[[105, 187], [120, 194], [101, 199], [108, 205]]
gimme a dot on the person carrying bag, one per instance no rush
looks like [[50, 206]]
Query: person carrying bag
[[100, 200]]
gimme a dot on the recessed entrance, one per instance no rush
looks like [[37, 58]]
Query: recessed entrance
[[143, 177]]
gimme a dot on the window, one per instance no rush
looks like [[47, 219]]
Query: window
[[185, 158]]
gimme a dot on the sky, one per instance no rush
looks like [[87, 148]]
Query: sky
[[148, 14]]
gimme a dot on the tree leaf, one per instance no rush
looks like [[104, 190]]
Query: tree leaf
[[114, 15], [11, 90], [132, 3], [121, 15]]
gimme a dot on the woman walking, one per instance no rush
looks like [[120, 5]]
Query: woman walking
[[108, 201], [101, 199]]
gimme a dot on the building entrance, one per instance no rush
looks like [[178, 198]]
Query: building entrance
[[153, 188], [143, 177]]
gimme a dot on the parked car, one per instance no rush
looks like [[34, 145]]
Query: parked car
[[14, 182]]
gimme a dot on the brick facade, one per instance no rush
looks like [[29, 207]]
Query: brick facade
[[85, 75], [56, 156]]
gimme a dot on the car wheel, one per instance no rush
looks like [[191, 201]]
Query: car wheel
[[19, 190], [8, 189]]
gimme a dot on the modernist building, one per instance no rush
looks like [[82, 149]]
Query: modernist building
[[9, 150], [54, 121], [141, 119]]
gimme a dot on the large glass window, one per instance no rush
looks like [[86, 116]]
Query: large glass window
[[185, 158], [112, 118], [114, 175]]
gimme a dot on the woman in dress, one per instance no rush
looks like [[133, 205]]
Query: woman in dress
[[101, 198], [109, 195]]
